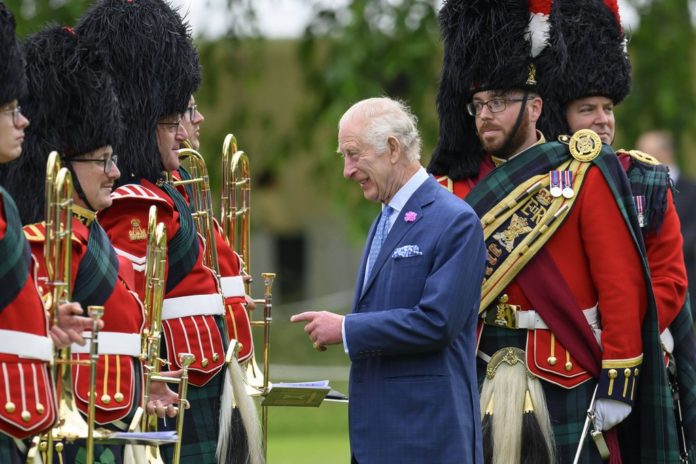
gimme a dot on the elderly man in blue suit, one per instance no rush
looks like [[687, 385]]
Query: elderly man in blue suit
[[411, 335]]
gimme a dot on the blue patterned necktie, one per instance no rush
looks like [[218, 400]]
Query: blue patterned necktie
[[378, 240]]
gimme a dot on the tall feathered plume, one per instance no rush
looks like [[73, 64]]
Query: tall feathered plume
[[72, 107]]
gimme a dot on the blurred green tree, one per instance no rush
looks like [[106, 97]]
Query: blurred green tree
[[363, 49], [661, 53], [33, 15]]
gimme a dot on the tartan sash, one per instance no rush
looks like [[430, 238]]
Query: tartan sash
[[98, 270], [182, 251], [15, 254]]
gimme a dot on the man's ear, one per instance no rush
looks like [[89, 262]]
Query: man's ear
[[394, 149], [535, 106]]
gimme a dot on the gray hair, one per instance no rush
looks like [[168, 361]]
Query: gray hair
[[386, 118]]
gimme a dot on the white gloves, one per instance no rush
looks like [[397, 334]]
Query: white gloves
[[609, 412]]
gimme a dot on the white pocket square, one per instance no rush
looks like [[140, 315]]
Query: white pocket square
[[406, 251]]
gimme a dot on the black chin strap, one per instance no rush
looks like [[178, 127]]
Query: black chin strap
[[77, 186], [518, 123]]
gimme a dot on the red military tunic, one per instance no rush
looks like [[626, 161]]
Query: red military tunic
[[27, 395], [597, 259], [189, 309], [233, 290], [665, 259], [119, 339]]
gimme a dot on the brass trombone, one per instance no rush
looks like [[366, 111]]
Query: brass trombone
[[58, 257], [201, 201], [151, 340], [235, 205]]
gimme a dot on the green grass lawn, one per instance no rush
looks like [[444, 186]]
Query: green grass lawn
[[308, 435]]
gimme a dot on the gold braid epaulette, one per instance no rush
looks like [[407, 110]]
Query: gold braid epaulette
[[641, 157]]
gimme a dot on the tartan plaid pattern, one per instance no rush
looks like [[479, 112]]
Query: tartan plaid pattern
[[9, 453], [652, 182], [98, 269], [649, 433], [685, 359], [182, 250], [201, 424], [14, 253]]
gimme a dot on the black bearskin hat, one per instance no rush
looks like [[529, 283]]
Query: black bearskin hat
[[12, 82], [72, 107], [153, 62], [488, 46], [586, 57]]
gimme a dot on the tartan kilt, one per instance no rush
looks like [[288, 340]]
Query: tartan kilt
[[201, 424], [9, 453], [567, 407], [76, 452]]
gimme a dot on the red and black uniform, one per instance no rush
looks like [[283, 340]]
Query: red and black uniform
[[27, 395], [192, 302], [99, 277]]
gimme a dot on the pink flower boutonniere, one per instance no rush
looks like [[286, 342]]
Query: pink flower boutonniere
[[410, 216]]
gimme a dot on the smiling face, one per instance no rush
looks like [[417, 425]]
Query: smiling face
[[380, 175], [170, 135], [495, 130], [12, 125], [596, 113], [96, 184]]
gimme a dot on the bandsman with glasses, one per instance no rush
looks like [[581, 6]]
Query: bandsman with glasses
[[145, 43], [560, 333], [27, 395], [76, 114]]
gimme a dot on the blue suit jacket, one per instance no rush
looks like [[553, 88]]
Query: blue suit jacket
[[411, 338]]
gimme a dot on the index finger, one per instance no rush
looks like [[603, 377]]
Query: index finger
[[305, 316]]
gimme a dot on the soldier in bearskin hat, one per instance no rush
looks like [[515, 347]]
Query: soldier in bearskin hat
[[28, 396], [155, 68], [584, 88], [559, 226], [74, 110]]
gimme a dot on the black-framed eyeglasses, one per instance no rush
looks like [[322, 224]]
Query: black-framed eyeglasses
[[495, 105], [191, 112], [15, 112], [172, 126], [107, 162]]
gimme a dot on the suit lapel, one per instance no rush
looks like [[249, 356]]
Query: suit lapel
[[363, 262], [423, 196]]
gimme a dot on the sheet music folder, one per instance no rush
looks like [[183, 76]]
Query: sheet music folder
[[303, 394]]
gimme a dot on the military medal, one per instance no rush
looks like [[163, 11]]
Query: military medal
[[639, 200], [555, 183], [568, 184]]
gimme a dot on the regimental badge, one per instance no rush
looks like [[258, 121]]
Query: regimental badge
[[518, 226], [585, 145], [136, 232]]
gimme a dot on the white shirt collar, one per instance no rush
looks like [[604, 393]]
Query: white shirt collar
[[401, 197]]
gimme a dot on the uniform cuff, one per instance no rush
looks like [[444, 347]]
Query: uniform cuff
[[619, 379]]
